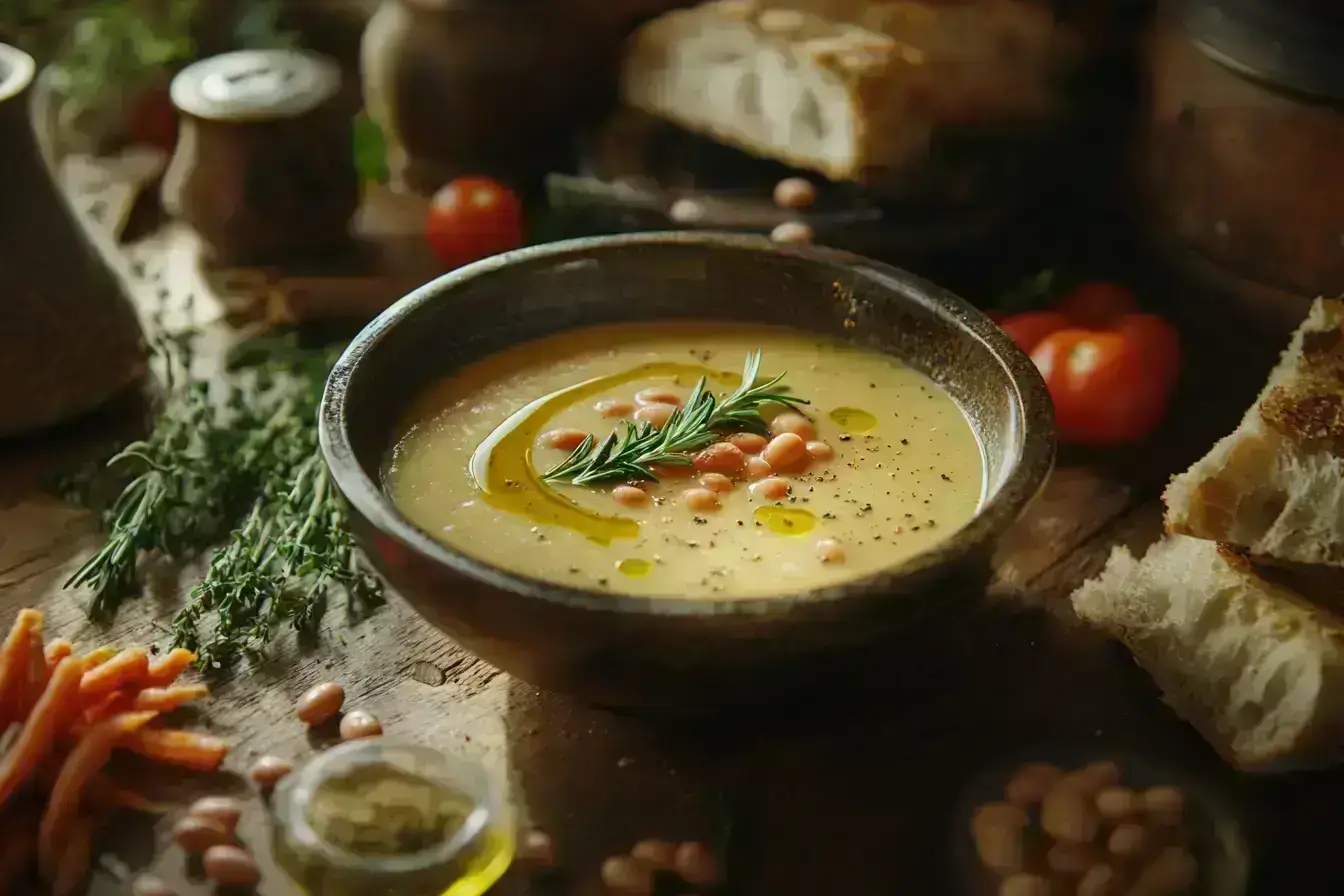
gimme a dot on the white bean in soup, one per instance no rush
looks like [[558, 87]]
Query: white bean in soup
[[469, 464]]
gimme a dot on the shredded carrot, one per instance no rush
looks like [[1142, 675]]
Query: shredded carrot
[[128, 668], [113, 703], [52, 713], [14, 664], [35, 681], [105, 794], [85, 760], [167, 668], [95, 658], [76, 858], [170, 698], [56, 651], [200, 752], [16, 850]]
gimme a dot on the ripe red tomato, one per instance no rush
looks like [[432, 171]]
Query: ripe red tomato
[[1110, 385], [1096, 303], [473, 217], [1030, 327]]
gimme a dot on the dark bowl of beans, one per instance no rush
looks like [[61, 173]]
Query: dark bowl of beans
[[675, 652], [1097, 825]]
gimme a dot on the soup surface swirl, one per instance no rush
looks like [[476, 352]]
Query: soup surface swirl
[[888, 464]]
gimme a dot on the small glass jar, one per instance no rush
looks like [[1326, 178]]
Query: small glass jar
[[321, 808]]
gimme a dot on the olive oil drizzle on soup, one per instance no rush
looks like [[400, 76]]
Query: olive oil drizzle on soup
[[883, 466]]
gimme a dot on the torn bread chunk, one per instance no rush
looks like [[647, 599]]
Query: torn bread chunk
[[1275, 486], [850, 88], [1255, 667]]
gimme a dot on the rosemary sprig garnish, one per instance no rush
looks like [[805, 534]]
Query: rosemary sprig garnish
[[629, 453]]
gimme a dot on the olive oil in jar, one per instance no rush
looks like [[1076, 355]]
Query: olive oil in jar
[[398, 819]]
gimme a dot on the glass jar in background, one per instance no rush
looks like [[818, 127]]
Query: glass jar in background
[[393, 818]]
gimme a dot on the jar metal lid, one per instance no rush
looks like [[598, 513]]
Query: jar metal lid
[[16, 70], [255, 85]]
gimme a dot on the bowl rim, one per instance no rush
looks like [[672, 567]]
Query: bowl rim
[[1033, 417]]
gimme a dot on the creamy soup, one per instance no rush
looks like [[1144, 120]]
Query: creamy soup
[[879, 465]]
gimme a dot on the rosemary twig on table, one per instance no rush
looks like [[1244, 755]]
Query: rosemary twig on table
[[629, 454]]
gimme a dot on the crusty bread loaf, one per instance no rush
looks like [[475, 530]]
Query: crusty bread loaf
[[1255, 667], [850, 88], [1275, 486]]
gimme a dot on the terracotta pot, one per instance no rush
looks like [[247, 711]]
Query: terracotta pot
[[69, 337]]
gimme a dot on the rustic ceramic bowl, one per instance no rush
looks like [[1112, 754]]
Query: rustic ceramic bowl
[[678, 653]]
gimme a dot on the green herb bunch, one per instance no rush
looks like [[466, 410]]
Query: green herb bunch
[[248, 462], [629, 454]]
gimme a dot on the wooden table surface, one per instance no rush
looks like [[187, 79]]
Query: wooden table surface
[[854, 796]]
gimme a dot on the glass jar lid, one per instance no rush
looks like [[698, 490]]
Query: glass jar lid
[[255, 85], [397, 817]]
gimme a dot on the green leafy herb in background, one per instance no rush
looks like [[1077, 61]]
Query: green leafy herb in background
[[370, 150]]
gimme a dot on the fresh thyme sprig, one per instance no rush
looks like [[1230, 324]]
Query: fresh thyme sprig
[[249, 459], [629, 454]]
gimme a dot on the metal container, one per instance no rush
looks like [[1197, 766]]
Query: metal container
[[1240, 155], [264, 169]]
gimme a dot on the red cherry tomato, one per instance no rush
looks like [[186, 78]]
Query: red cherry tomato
[[1110, 385], [1110, 370], [473, 217], [1029, 328], [1096, 303]]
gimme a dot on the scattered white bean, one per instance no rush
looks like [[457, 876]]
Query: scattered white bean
[[628, 875], [657, 396], [756, 467], [614, 407], [1127, 840], [564, 439], [795, 193], [793, 422], [749, 442], [785, 451], [1031, 783], [358, 724], [231, 866], [696, 865], [771, 488], [1067, 813], [830, 551], [321, 702], [630, 496], [1024, 885], [793, 232], [716, 482], [659, 853], [700, 499], [721, 457], [820, 451], [222, 810], [997, 830], [657, 414]]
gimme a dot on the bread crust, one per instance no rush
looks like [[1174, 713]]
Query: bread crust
[[1255, 667], [867, 80], [1275, 486]]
